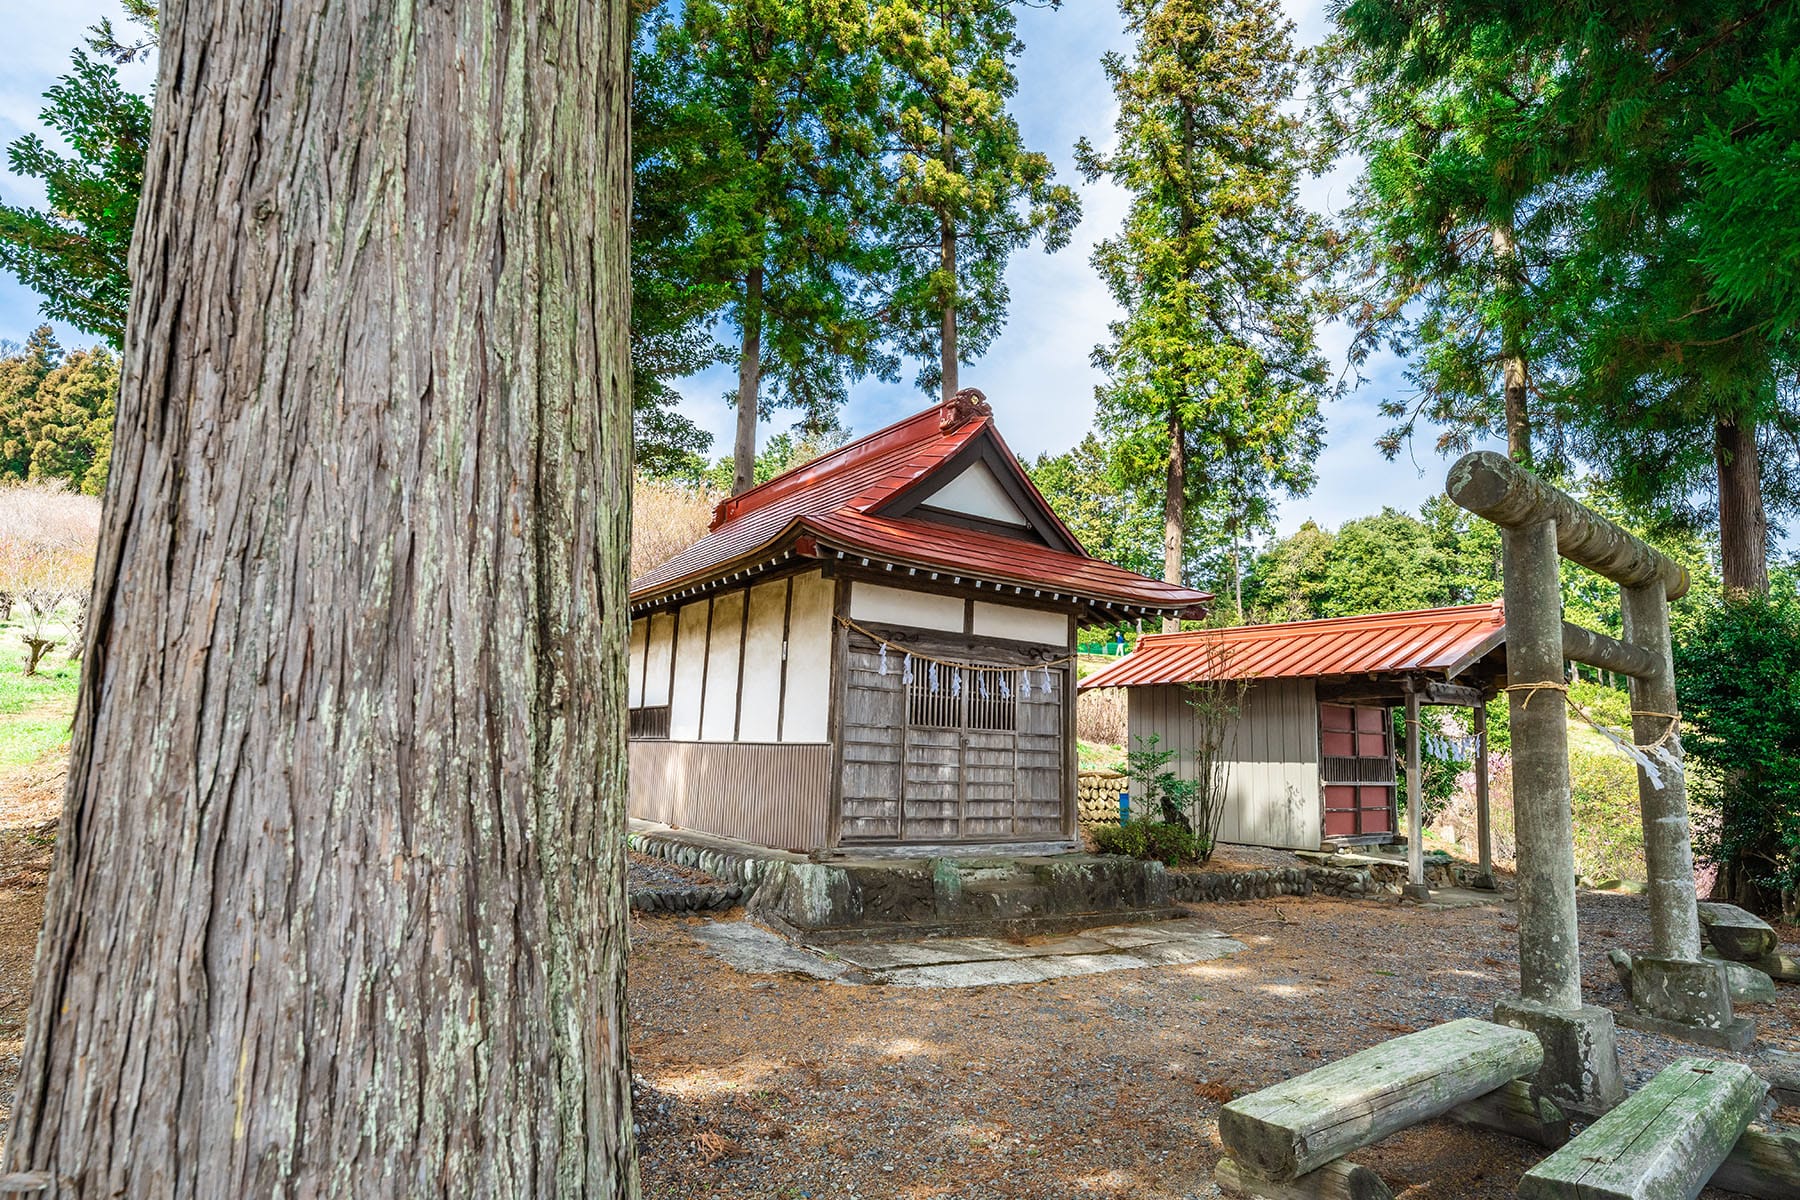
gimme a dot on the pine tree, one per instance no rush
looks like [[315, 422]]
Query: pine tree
[[22, 377], [963, 191], [771, 112], [1213, 379]]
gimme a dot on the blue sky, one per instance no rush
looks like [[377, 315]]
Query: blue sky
[[1037, 376]]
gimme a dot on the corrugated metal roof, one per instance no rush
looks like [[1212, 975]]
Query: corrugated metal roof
[[833, 502], [1433, 639]]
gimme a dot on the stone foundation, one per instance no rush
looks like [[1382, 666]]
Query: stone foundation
[[1581, 1054]]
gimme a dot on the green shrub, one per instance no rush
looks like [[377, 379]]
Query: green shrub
[[1737, 670], [1161, 841]]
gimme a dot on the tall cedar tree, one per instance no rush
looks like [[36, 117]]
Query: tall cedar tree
[[1672, 388], [772, 124], [338, 903], [1593, 127], [1442, 230], [1213, 379], [963, 193]]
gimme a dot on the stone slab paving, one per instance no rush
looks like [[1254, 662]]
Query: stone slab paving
[[968, 962]]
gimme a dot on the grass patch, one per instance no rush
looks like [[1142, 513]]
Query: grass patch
[[1098, 756], [35, 710]]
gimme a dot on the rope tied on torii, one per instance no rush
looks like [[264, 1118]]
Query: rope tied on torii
[[1652, 758]]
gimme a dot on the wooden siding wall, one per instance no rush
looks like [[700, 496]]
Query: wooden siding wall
[[1273, 796], [773, 795]]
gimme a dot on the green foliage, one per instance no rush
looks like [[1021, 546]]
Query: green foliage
[[1738, 676], [1157, 788], [1440, 771], [1150, 841], [1749, 191], [1113, 522], [1609, 830], [73, 252], [56, 413], [759, 125], [1211, 401], [963, 192]]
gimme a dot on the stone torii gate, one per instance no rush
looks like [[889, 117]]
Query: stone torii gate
[[1673, 990]]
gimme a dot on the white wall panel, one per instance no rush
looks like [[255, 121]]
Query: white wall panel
[[807, 707], [634, 673], [1021, 624], [759, 718], [661, 645], [690, 672], [979, 494], [724, 653], [871, 602]]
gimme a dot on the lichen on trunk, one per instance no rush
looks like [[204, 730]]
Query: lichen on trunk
[[338, 904]]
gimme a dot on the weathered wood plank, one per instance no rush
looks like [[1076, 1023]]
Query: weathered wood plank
[[1764, 1164], [1339, 1180], [1306, 1122], [1663, 1143], [1736, 934], [1511, 1109]]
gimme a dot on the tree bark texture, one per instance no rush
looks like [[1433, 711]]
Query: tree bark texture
[[1512, 347], [749, 402], [1175, 511], [337, 907], [1743, 522], [947, 348]]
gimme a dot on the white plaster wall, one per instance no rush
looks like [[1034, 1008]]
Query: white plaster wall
[[759, 719], [725, 645], [979, 494], [661, 644], [1021, 624], [690, 672], [634, 682], [806, 709], [871, 602]]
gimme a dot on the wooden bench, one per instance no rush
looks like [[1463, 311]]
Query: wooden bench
[[1286, 1141], [1663, 1143]]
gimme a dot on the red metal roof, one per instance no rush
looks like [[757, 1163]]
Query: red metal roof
[[1432, 639], [832, 507]]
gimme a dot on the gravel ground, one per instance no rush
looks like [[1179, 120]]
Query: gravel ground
[[1108, 1085]]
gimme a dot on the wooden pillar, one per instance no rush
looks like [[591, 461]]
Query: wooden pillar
[[1415, 803], [1668, 848], [1484, 830], [1549, 962]]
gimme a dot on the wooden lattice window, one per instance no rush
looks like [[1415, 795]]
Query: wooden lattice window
[[650, 724], [983, 698]]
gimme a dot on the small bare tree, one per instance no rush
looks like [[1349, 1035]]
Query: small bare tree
[[1216, 700], [47, 539]]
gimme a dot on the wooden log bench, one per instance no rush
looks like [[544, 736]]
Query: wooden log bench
[[1287, 1142], [1663, 1143], [1736, 934]]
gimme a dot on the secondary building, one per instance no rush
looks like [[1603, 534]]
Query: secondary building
[[875, 650], [1311, 751]]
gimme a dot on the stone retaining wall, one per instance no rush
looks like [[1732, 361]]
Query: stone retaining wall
[[695, 899], [1206, 887], [730, 865]]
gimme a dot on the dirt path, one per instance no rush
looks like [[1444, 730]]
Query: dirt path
[[1108, 1085]]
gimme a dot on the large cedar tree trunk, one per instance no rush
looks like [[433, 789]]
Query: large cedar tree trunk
[[749, 402], [337, 907], [1175, 511], [1743, 521], [1512, 348]]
